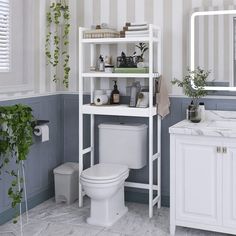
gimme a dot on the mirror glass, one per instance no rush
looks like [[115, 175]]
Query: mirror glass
[[213, 47]]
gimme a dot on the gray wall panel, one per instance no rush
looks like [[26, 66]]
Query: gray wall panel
[[43, 157], [70, 106], [178, 107], [62, 111]]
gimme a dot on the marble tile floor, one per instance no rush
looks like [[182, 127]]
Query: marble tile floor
[[51, 219]]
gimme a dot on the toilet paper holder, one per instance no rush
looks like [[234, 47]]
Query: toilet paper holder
[[39, 122]]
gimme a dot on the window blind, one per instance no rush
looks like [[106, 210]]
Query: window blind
[[4, 36]]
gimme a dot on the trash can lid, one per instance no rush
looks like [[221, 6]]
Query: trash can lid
[[67, 168]]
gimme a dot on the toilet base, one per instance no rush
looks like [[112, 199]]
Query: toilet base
[[93, 221], [106, 212]]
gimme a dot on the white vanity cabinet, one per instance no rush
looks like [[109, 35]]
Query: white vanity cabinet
[[203, 183], [229, 185]]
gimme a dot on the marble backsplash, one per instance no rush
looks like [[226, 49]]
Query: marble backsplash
[[220, 115]]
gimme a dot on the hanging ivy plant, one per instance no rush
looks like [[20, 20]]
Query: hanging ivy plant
[[16, 135], [58, 13]]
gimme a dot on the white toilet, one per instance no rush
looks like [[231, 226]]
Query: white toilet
[[121, 146]]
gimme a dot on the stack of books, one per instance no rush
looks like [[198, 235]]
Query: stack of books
[[134, 30]]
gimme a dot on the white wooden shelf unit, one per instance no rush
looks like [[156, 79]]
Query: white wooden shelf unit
[[123, 110]]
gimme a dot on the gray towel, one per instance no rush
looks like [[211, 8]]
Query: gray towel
[[162, 98]]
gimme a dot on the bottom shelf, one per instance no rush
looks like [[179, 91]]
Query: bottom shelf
[[140, 185], [118, 110]]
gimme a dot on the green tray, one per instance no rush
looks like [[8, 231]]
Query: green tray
[[131, 70]]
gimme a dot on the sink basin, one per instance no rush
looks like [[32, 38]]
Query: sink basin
[[227, 124]]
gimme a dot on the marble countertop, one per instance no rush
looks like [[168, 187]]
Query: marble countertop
[[217, 124]]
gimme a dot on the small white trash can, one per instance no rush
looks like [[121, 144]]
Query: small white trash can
[[66, 182]]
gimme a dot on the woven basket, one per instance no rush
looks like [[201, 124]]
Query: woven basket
[[101, 33]]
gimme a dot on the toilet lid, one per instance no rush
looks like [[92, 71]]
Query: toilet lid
[[104, 171]]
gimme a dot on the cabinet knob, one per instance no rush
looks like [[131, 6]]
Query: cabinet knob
[[224, 149], [218, 149]]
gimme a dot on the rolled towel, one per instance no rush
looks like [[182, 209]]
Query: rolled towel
[[163, 101]]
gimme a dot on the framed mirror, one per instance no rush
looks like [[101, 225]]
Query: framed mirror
[[213, 47]]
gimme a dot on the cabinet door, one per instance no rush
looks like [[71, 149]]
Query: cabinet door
[[198, 180], [229, 186]]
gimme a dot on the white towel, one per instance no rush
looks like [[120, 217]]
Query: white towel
[[163, 101]]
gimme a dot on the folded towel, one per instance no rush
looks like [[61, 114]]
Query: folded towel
[[141, 32], [135, 28], [163, 101], [136, 24]]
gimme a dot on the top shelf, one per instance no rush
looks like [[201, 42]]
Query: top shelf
[[119, 40]]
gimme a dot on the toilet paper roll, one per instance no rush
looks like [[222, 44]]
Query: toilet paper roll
[[100, 100], [43, 131]]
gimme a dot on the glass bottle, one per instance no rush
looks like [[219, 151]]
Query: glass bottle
[[115, 95], [201, 110], [101, 64]]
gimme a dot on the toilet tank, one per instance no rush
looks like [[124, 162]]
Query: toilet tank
[[121, 143]]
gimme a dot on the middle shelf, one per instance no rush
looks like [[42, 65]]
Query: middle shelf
[[118, 110], [119, 75]]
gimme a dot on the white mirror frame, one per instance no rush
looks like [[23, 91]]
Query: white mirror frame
[[192, 43]]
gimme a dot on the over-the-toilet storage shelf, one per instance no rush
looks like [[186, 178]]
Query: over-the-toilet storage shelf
[[154, 41]]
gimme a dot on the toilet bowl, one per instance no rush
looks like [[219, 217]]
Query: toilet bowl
[[104, 184]]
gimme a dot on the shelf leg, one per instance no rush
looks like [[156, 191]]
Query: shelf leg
[[150, 121], [172, 229], [159, 160], [92, 140], [80, 157], [150, 166], [80, 116], [92, 117]]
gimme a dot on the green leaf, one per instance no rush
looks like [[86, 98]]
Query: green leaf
[[16, 139], [199, 79], [56, 45]]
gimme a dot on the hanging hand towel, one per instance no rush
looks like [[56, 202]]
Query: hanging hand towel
[[163, 101]]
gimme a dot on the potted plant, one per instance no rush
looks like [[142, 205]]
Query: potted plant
[[193, 84], [16, 137], [57, 42], [143, 47]]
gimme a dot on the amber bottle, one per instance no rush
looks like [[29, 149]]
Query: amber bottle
[[115, 95]]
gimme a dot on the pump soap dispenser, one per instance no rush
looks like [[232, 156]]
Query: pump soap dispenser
[[115, 95]]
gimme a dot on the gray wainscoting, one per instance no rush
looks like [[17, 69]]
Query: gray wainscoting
[[62, 111], [43, 157], [178, 107]]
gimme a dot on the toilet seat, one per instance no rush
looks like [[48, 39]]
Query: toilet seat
[[104, 184], [104, 173]]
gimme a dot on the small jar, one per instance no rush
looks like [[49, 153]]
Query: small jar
[[109, 69]]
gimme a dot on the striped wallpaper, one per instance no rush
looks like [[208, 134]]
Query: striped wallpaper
[[116, 13], [172, 16]]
